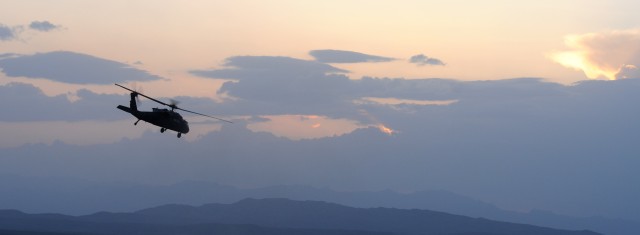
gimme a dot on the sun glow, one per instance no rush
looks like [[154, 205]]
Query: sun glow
[[578, 61], [386, 130], [610, 54]]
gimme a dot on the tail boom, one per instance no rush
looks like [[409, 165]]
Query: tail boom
[[125, 108]]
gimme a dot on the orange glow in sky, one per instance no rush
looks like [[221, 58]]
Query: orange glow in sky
[[385, 129], [305, 126], [607, 54]]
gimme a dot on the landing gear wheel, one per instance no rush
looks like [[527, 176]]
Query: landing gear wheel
[[136, 123], [179, 134], [162, 130]]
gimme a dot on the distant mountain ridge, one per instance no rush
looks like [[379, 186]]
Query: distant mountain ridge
[[17, 223], [78, 197], [271, 216]]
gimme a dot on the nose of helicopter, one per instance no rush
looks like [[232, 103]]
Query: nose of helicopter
[[185, 127]]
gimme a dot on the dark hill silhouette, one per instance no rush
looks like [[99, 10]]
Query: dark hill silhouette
[[15, 232], [75, 197], [17, 223], [268, 216], [285, 213]]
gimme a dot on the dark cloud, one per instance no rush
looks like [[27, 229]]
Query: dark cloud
[[498, 142], [25, 102], [422, 60], [628, 71], [71, 67], [8, 33], [43, 26], [522, 143], [280, 85], [339, 56], [258, 119], [268, 67], [7, 55]]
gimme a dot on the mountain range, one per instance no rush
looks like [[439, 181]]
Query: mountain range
[[269, 216], [37, 195]]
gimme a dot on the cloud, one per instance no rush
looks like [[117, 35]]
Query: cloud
[[422, 60], [284, 80], [267, 85], [9, 33], [493, 145], [282, 86], [71, 67], [473, 146], [340, 56], [610, 55], [255, 119], [27, 103], [268, 67], [43, 26], [628, 71], [8, 55]]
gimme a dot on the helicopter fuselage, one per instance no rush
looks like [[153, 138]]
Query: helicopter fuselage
[[164, 118], [160, 117]]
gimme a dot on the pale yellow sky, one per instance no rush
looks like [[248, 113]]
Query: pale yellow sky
[[477, 39]]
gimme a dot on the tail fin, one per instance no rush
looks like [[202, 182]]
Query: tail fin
[[132, 103]]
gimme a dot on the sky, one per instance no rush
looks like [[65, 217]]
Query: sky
[[489, 99]]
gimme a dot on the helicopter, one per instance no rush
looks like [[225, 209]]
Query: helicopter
[[164, 118]]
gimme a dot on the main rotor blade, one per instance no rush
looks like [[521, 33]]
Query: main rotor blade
[[125, 88], [173, 106], [204, 115]]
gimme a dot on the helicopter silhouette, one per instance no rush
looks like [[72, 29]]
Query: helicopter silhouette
[[164, 118]]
